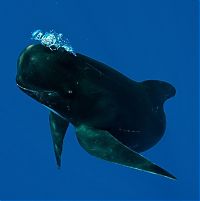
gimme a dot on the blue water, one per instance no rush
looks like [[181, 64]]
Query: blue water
[[144, 39]]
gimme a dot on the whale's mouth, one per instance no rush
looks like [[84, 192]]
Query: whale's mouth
[[31, 90], [39, 94], [25, 89]]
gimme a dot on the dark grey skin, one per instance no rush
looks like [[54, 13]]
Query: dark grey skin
[[115, 117]]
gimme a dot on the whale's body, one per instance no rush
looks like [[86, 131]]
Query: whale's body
[[114, 116]]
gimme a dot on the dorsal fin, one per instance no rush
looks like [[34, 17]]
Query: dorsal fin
[[159, 91]]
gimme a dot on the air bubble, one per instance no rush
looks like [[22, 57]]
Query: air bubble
[[37, 35], [52, 40], [48, 39]]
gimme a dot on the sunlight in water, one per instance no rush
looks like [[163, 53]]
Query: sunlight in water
[[52, 40]]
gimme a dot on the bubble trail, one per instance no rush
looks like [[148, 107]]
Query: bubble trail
[[52, 40]]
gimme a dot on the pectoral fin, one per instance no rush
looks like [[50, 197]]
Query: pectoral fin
[[58, 127], [102, 144]]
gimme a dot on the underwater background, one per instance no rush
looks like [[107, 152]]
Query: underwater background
[[143, 39]]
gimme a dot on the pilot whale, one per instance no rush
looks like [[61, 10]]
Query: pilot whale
[[115, 117]]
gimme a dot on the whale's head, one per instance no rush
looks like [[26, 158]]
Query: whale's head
[[45, 74]]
